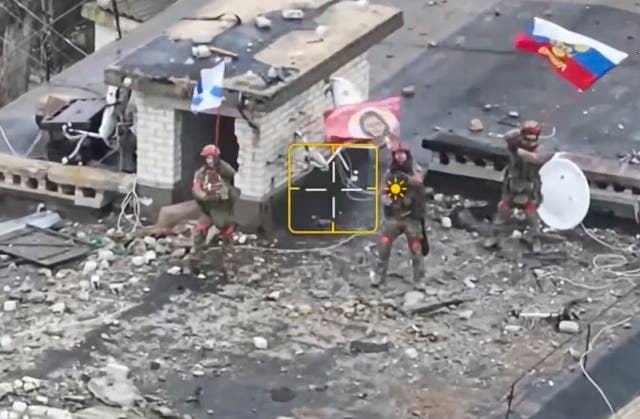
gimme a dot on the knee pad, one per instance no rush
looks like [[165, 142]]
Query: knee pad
[[530, 208], [415, 245], [202, 227], [504, 205], [228, 231], [386, 240]]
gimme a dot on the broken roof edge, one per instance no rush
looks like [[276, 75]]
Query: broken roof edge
[[91, 11], [273, 97]]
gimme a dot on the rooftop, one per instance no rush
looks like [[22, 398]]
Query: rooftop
[[165, 65], [137, 10]]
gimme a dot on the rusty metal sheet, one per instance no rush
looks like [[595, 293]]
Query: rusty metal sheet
[[42, 246]]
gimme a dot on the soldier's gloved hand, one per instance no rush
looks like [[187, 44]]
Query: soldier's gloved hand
[[386, 201]]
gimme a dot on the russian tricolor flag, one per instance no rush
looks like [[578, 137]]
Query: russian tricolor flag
[[577, 58]]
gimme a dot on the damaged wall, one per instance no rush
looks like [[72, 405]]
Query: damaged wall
[[263, 161]]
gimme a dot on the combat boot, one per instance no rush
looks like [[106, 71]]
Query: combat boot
[[533, 235], [417, 266], [380, 274]]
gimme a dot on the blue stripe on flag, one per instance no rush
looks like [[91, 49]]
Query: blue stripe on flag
[[216, 91], [199, 89], [197, 100]]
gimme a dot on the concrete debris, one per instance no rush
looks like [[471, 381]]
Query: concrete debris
[[260, 343], [409, 91], [569, 327], [514, 114], [263, 22], [476, 125], [133, 300], [292, 14]]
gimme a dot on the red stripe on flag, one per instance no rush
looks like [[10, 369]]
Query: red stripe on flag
[[567, 68]]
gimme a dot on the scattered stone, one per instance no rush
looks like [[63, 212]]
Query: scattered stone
[[412, 299], [179, 253], [174, 270], [90, 266], [569, 327], [432, 44], [274, 295], [574, 354], [165, 412], [105, 255], [138, 261], [411, 353], [198, 370], [304, 309], [59, 307], [487, 107], [476, 125], [149, 256], [516, 234], [5, 389], [446, 222], [263, 22], [512, 328], [409, 91], [514, 114], [10, 305], [360, 347], [465, 314], [19, 407], [292, 14], [469, 282], [260, 343], [438, 197]]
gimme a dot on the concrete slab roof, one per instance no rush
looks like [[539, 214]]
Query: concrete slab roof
[[136, 10], [165, 66], [478, 65], [83, 79]]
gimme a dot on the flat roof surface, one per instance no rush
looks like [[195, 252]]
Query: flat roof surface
[[478, 65], [83, 79], [290, 44]]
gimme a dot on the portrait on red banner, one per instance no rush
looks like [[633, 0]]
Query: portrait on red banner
[[378, 122]]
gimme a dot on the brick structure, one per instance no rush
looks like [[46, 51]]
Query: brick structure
[[261, 119]]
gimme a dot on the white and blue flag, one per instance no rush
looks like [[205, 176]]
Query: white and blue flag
[[209, 92]]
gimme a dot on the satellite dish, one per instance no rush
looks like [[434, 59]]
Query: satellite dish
[[565, 194], [344, 92]]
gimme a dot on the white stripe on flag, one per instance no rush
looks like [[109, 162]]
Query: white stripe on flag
[[555, 32], [209, 93]]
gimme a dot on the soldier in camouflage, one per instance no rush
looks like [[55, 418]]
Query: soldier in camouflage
[[214, 191], [404, 211], [521, 187]]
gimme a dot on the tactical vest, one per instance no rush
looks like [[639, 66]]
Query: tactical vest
[[522, 177], [213, 185]]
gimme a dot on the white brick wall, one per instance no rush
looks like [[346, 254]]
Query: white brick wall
[[159, 152], [263, 161]]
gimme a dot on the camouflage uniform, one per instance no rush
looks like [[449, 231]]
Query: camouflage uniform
[[403, 216], [215, 194], [521, 187]]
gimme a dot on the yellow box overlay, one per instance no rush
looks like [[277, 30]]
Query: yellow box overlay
[[334, 148]]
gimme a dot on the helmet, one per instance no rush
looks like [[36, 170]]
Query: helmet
[[210, 150], [530, 128], [398, 147]]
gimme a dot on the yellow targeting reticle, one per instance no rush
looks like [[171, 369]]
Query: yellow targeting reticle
[[395, 188], [329, 191]]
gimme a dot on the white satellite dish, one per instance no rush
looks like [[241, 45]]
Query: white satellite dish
[[565, 194], [344, 92]]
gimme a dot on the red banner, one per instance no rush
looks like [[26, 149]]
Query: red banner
[[377, 121]]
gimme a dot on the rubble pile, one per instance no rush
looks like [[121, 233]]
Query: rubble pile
[[122, 327]]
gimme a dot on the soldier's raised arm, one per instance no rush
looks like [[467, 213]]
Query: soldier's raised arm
[[196, 189], [227, 172]]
